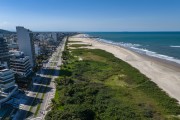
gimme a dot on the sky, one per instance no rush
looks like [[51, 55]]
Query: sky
[[91, 15]]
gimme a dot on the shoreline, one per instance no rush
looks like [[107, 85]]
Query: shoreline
[[166, 74], [166, 63], [174, 65], [139, 50]]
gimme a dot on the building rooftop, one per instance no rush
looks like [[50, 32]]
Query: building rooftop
[[22, 59], [18, 56], [17, 53]]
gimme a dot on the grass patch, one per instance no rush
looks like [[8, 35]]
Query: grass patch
[[34, 100], [56, 96], [73, 41], [104, 87], [80, 45], [37, 109]]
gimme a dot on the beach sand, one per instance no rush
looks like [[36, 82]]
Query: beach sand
[[165, 74]]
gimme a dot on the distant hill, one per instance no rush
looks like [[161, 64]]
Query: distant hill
[[4, 31]]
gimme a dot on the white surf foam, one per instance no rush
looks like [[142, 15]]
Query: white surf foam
[[134, 47], [175, 46]]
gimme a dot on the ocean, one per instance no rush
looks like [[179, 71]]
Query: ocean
[[164, 45]]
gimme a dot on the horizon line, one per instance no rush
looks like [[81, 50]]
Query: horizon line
[[96, 31]]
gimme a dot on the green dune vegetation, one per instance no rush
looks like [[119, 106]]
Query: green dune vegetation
[[95, 85], [80, 45]]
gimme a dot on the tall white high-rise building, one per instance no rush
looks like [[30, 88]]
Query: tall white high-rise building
[[26, 43]]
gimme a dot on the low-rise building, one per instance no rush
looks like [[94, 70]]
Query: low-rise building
[[20, 64], [37, 49], [7, 84], [54, 36], [4, 52]]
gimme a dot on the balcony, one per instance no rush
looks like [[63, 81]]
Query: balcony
[[6, 81]]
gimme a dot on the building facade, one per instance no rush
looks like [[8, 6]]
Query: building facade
[[54, 36], [20, 64], [7, 84], [4, 52], [26, 44], [37, 49]]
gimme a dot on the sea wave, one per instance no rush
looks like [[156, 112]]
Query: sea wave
[[175, 46], [136, 48], [154, 54], [86, 35]]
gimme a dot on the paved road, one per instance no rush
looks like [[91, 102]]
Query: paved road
[[45, 107], [46, 103], [40, 92], [24, 108], [42, 80]]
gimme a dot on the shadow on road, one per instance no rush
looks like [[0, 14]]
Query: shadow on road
[[30, 101], [43, 80], [41, 89], [52, 72]]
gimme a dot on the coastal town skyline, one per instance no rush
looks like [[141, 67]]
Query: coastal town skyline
[[91, 15], [89, 60]]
